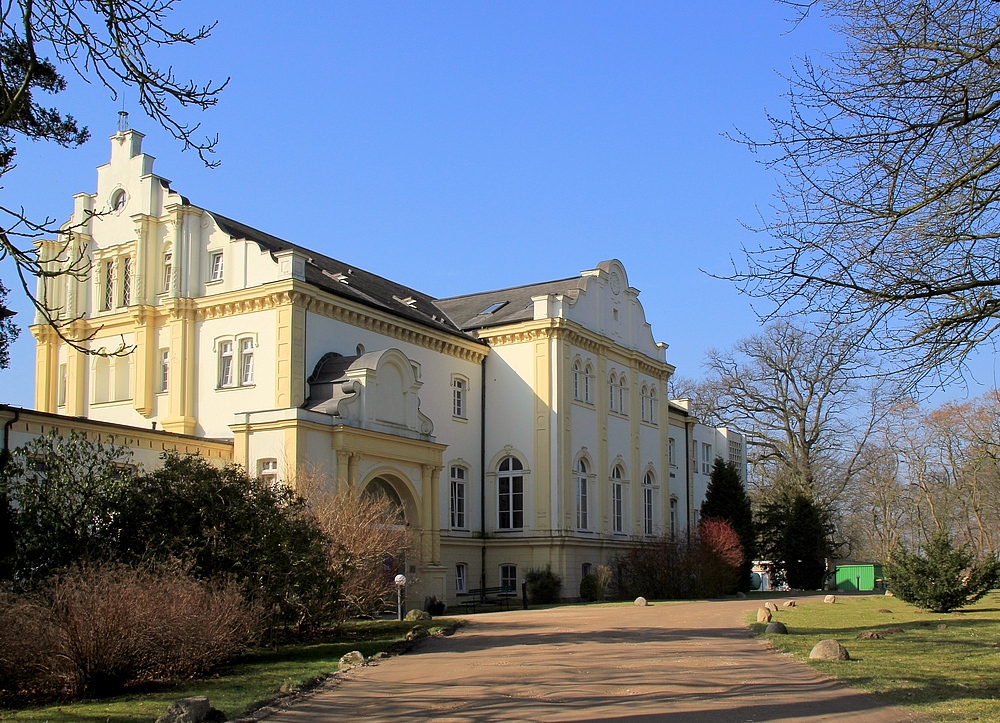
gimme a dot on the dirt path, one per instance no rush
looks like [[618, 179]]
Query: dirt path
[[682, 662]]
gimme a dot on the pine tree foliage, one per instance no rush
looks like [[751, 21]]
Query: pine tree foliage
[[726, 499], [794, 538], [944, 577]]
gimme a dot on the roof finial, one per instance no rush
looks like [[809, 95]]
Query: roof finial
[[122, 121]]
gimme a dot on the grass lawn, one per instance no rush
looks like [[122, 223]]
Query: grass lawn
[[233, 688], [945, 666]]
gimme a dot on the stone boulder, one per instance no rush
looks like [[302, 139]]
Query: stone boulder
[[869, 635], [776, 628], [417, 615], [196, 709], [830, 599], [888, 593], [417, 633], [351, 659], [788, 604], [741, 596], [829, 650], [640, 602], [771, 606], [763, 615]]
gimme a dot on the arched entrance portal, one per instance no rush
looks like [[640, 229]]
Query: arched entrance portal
[[381, 488]]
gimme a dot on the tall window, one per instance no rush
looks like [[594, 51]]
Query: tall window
[[109, 285], [581, 495], [670, 452], [613, 391], [644, 395], [622, 396], [61, 394], [617, 501], [126, 281], [458, 389], [461, 575], [246, 362], [647, 504], [652, 405], [673, 519], [215, 267], [577, 380], [588, 381], [706, 458], [226, 364], [267, 470], [168, 271], [458, 497], [508, 576], [510, 494], [164, 369]]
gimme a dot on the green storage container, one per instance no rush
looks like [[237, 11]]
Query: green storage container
[[852, 578]]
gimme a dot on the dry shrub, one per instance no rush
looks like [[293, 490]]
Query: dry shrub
[[721, 557], [101, 628], [29, 645], [372, 542]]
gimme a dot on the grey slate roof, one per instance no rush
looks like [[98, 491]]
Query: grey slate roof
[[351, 282], [467, 311]]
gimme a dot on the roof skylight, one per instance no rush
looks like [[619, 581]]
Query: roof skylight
[[493, 308]]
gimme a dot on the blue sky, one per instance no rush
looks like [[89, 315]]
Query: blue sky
[[461, 147]]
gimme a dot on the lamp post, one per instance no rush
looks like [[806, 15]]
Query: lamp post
[[400, 581]]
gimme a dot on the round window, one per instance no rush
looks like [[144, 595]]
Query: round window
[[118, 200]]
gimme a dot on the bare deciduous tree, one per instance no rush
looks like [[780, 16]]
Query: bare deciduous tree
[[887, 215], [110, 44]]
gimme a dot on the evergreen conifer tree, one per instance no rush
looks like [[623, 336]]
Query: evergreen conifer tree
[[727, 499]]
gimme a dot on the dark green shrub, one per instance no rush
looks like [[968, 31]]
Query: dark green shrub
[[544, 586], [590, 588], [944, 578], [726, 499]]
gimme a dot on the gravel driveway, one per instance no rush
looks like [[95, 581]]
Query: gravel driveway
[[681, 662]]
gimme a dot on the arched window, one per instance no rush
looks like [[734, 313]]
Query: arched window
[[510, 494], [613, 390], [576, 379], [582, 506], [622, 396], [653, 418], [459, 386], [617, 500], [644, 395], [673, 518], [647, 504], [588, 378]]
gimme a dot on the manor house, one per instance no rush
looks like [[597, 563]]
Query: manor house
[[515, 428]]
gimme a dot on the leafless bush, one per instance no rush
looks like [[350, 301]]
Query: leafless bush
[[720, 556], [96, 629], [372, 541]]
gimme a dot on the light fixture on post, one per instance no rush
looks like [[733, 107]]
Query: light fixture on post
[[400, 581]]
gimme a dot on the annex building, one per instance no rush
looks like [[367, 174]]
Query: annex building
[[516, 428]]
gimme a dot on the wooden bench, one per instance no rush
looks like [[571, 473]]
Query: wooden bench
[[487, 597]]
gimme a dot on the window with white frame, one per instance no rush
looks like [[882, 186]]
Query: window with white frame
[[647, 504], [226, 364], [458, 476], [643, 397], [461, 577], [673, 518], [246, 362], [168, 271], [61, 394], [510, 494], [622, 396], [215, 266], [164, 369], [126, 281], [617, 500], [653, 411], [577, 380], [267, 470], [459, 388], [613, 390], [582, 506], [671, 445], [588, 383], [508, 576], [706, 458], [109, 285]]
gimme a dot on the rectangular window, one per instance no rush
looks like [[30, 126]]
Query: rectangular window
[[647, 510], [126, 281], [246, 362], [61, 398], [617, 507], [461, 575], [267, 470], [673, 519], [168, 271], [458, 397], [706, 458], [109, 285], [581, 503], [215, 267], [670, 452], [586, 385], [458, 497], [508, 576], [511, 502], [164, 369], [226, 364]]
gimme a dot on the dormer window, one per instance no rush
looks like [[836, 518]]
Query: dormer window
[[215, 266], [168, 271]]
